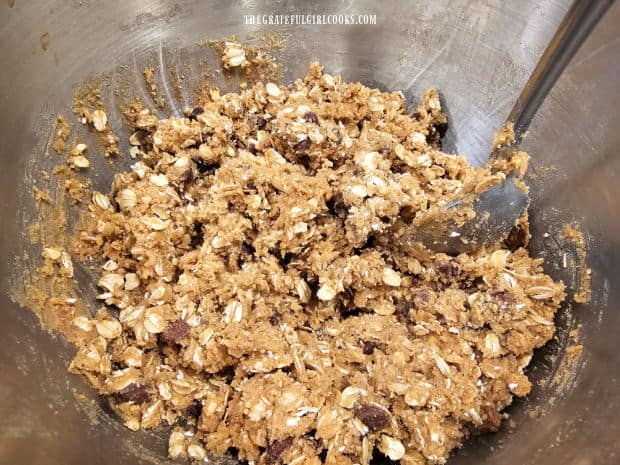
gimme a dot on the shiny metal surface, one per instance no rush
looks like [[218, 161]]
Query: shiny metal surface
[[497, 211], [499, 208], [478, 53], [580, 19]]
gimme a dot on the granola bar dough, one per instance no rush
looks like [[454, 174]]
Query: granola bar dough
[[255, 297]]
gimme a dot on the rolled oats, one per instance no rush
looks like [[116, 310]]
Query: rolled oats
[[100, 120], [349, 396], [110, 265], [132, 356], [84, 323], [541, 292], [303, 291], [159, 180], [326, 292], [155, 222], [154, 321], [135, 152], [444, 368], [79, 149], [392, 447], [196, 452], [146, 121], [126, 199], [136, 138], [80, 161], [391, 277], [177, 446], [233, 313], [111, 281], [52, 253], [102, 200], [67, 265], [108, 328], [131, 281], [234, 55], [491, 345], [268, 297], [152, 416]]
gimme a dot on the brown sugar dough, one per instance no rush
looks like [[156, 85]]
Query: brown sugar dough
[[260, 304]]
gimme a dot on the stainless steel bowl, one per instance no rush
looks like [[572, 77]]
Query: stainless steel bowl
[[478, 53]]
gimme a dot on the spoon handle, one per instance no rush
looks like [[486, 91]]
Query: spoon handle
[[579, 21]]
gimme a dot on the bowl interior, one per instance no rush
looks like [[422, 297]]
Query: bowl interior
[[477, 53]]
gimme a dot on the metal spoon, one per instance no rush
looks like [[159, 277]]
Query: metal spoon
[[500, 207]]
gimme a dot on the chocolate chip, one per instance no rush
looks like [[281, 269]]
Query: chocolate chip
[[195, 112], [407, 214], [505, 297], [205, 167], [237, 142], [302, 145], [134, 392], [448, 270], [422, 295], [276, 450], [228, 372], [336, 206], [285, 260], [175, 332], [187, 177], [360, 123], [287, 369], [194, 409], [233, 452], [399, 169], [197, 236], [311, 117], [517, 237], [310, 437], [369, 244], [369, 347], [442, 129], [374, 417], [275, 319], [261, 122], [405, 308], [346, 312], [305, 161], [247, 252]]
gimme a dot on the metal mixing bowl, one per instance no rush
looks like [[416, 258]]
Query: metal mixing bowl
[[478, 53]]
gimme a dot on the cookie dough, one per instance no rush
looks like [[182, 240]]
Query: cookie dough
[[255, 300]]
